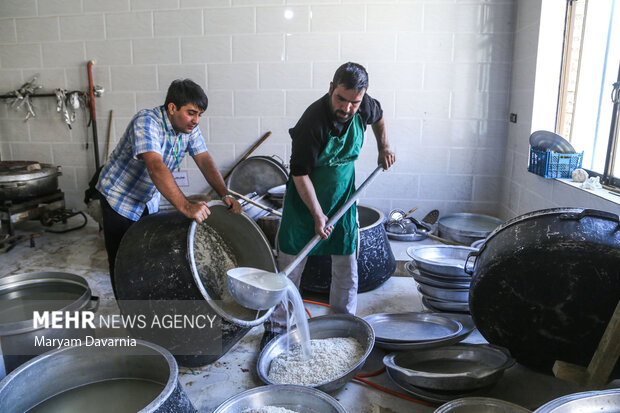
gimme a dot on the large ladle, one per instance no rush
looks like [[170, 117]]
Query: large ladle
[[259, 289]]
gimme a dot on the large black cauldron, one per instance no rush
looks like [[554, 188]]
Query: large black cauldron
[[545, 284], [375, 264]]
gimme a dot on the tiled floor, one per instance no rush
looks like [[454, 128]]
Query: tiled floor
[[82, 252]]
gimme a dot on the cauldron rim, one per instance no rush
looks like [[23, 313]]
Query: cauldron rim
[[162, 397], [198, 282], [378, 221]]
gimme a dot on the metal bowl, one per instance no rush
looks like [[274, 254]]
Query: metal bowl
[[603, 401], [428, 279], [253, 296], [457, 367], [481, 405], [467, 228], [457, 295], [296, 398], [340, 325], [447, 260], [440, 305]]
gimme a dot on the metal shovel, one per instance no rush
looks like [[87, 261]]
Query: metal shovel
[[259, 289]]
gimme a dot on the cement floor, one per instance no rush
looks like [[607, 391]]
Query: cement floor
[[82, 252]]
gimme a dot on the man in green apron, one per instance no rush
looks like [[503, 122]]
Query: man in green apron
[[326, 142]]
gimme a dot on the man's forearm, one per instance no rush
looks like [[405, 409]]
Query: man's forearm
[[305, 188], [212, 174], [380, 133]]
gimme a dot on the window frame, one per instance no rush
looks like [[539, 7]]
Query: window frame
[[610, 181]]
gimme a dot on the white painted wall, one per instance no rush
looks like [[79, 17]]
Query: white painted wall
[[441, 69], [533, 96]]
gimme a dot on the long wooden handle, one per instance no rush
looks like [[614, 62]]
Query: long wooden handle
[[315, 240], [251, 201], [243, 158], [249, 152]]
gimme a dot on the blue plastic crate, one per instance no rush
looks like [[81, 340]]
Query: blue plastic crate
[[550, 164]]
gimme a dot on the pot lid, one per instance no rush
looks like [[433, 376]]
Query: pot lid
[[257, 174], [12, 171]]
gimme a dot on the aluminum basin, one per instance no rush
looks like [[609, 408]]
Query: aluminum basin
[[480, 405], [603, 401], [296, 398], [323, 327], [456, 367]]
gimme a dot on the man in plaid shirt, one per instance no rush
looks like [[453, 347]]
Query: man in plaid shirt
[[139, 170]]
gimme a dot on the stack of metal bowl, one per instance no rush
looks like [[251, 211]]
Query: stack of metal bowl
[[440, 273]]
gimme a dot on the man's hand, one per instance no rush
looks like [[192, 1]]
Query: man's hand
[[198, 211], [386, 158], [319, 226], [233, 205]]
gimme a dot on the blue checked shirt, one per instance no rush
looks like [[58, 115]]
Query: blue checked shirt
[[124, 181]]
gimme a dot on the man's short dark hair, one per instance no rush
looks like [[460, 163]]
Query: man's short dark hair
[[352, 76], [182, 92]]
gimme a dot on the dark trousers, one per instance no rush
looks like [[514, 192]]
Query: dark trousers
[[114, 227]]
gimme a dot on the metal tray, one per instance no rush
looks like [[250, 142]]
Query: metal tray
[[442, 282], [459, 367], [465, 320], [412, 327], [604, 401], [441, 259], [438, 305], [438, 397], [460, 295], [416, 236], [481, 404]]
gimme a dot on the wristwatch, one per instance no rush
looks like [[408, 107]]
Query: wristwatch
[[227, 196]]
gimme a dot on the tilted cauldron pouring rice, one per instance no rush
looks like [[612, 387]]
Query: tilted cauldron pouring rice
[[259, 289]]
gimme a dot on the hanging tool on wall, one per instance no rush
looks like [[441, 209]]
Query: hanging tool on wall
[[90, 104], [21, 97]]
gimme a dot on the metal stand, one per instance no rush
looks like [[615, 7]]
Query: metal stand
[[12, 213]]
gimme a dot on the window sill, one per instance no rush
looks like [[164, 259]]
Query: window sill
[[601, 193]]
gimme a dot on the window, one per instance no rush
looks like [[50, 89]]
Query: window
[[589, 100]]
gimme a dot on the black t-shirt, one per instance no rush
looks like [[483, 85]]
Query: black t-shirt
[[311, 133]]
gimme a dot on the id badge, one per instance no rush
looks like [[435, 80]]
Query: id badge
[[181, 178]]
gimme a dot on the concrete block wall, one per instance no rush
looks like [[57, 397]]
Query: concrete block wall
[[441, 69]]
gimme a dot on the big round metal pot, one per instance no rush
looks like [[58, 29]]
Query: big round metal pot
[[146, 373], [545, 284], [19, 181], [156, 267], [20, 296], [375, 263]]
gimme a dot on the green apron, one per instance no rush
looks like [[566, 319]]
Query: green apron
[[334, 183]]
